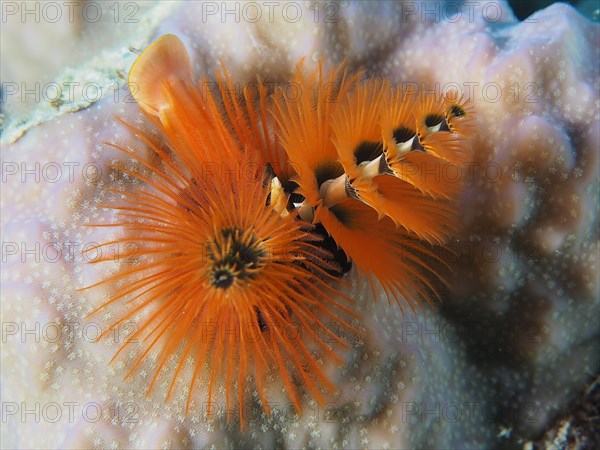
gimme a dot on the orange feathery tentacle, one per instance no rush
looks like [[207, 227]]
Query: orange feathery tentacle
[[377, 247], [163, 85], [434, 133], [459, 114], [164, 62], [430, 220], [246, 112], [358, 140], [433, 176], [355, 126], [304, 119]]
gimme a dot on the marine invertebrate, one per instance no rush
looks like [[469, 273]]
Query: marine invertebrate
[[232, 246], [223, 276]]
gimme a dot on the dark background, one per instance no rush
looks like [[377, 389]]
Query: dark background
[[524, 8]]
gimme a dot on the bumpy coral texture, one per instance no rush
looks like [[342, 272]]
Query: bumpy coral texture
[[509, 349]]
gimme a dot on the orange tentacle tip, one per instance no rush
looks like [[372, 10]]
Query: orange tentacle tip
[[257, 207]]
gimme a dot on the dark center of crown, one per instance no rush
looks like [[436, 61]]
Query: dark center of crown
[[403, 134], [456, 111], [222, 278], [432, 120], [328, 171], [367, 151], [234, 255]]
